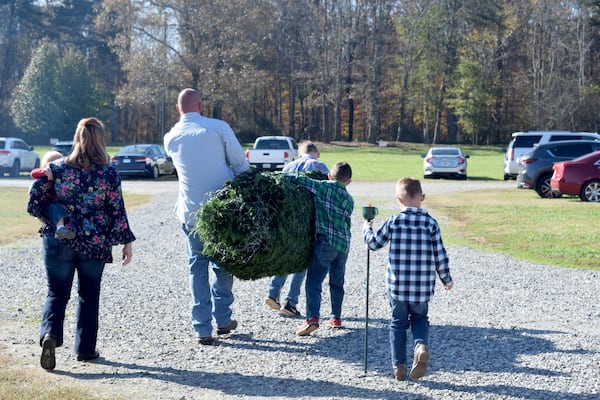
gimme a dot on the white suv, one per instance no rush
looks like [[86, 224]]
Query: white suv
[[16, 156], [522, 142]]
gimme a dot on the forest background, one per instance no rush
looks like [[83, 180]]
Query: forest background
[[427, 71]]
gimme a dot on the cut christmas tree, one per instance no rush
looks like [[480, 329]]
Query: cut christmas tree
[[259, 225]]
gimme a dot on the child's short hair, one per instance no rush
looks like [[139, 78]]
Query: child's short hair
[[410, 187], [307, 147], [49, 157], [341, 171]]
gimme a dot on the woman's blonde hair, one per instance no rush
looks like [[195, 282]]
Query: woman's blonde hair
[[88, 145]]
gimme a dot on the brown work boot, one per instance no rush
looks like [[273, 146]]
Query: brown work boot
[[224, 330], [400, 372], [420, 360]]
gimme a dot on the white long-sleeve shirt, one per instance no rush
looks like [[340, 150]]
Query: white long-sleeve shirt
[[206, 153]]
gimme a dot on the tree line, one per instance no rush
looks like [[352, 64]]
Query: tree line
[[431, 71]]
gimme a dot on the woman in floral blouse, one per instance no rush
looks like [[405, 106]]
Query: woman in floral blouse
[[90, 190]]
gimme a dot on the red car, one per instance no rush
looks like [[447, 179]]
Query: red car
[[580, 177]]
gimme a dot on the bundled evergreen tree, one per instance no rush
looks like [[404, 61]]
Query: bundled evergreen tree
[[259, 225]]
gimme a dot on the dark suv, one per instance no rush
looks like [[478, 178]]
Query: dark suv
[[535, 166]]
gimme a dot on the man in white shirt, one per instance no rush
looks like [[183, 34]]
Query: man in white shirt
[[206, 153]]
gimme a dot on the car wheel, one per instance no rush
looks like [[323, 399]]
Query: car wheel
[[16, 169], [543, 188], [36, 164], [506, 177], [590, 191], [155, 173]]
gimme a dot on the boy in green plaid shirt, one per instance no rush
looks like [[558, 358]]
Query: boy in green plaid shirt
[[333, 209]]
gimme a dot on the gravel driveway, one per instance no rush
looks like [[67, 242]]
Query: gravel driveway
[[508, 330]]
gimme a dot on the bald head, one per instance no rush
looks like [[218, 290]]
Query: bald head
[[189, 101]]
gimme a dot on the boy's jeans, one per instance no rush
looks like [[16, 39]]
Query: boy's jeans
[[277, 283], [55, 212], [405, 314], [325, 259]]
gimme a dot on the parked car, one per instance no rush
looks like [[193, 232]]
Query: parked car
[[445, 162], [145, 160], [535, 167], [16, 156], [578, 177], [64, 148], [523, 142]]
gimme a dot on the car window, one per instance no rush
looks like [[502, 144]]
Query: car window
[[444, 152], [556, 138], [272, 145], [526, 140], [571, 150], [19, 144], [2, 144], [132, 150]]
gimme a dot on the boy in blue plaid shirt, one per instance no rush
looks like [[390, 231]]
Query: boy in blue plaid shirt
[[417, 253]]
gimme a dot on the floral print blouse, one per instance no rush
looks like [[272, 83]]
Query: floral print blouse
[[94, 202]]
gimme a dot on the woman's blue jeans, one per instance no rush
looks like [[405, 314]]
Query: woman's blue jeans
[[61, 263], [208, 300], [325, 259], [405, 315]]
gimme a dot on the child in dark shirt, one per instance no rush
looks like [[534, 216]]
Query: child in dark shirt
[[55, 212]]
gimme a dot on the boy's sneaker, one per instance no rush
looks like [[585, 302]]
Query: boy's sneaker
[[290, 311], [334, 323], [420, 360], [400, 372], [64, 233], [272, 303], [206, 340], [308, 327]]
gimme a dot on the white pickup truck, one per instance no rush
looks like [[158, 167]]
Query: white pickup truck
[[272, 152]]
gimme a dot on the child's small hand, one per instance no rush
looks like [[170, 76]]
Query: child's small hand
[[449, 286], [367, 224]]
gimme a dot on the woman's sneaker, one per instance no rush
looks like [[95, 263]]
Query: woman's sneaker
[[48, 358], [290, 311]]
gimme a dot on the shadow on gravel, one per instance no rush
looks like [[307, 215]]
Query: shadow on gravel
[[454, 349], [241, 385]]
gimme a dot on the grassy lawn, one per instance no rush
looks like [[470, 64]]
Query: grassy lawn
[[560, 232]]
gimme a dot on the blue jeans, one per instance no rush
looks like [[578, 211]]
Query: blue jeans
[[61, 263], [325, 259], [208, 301], [277, 283], [55, 212], [405, 315]]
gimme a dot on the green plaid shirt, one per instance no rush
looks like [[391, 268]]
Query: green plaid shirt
[[333, 208]]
